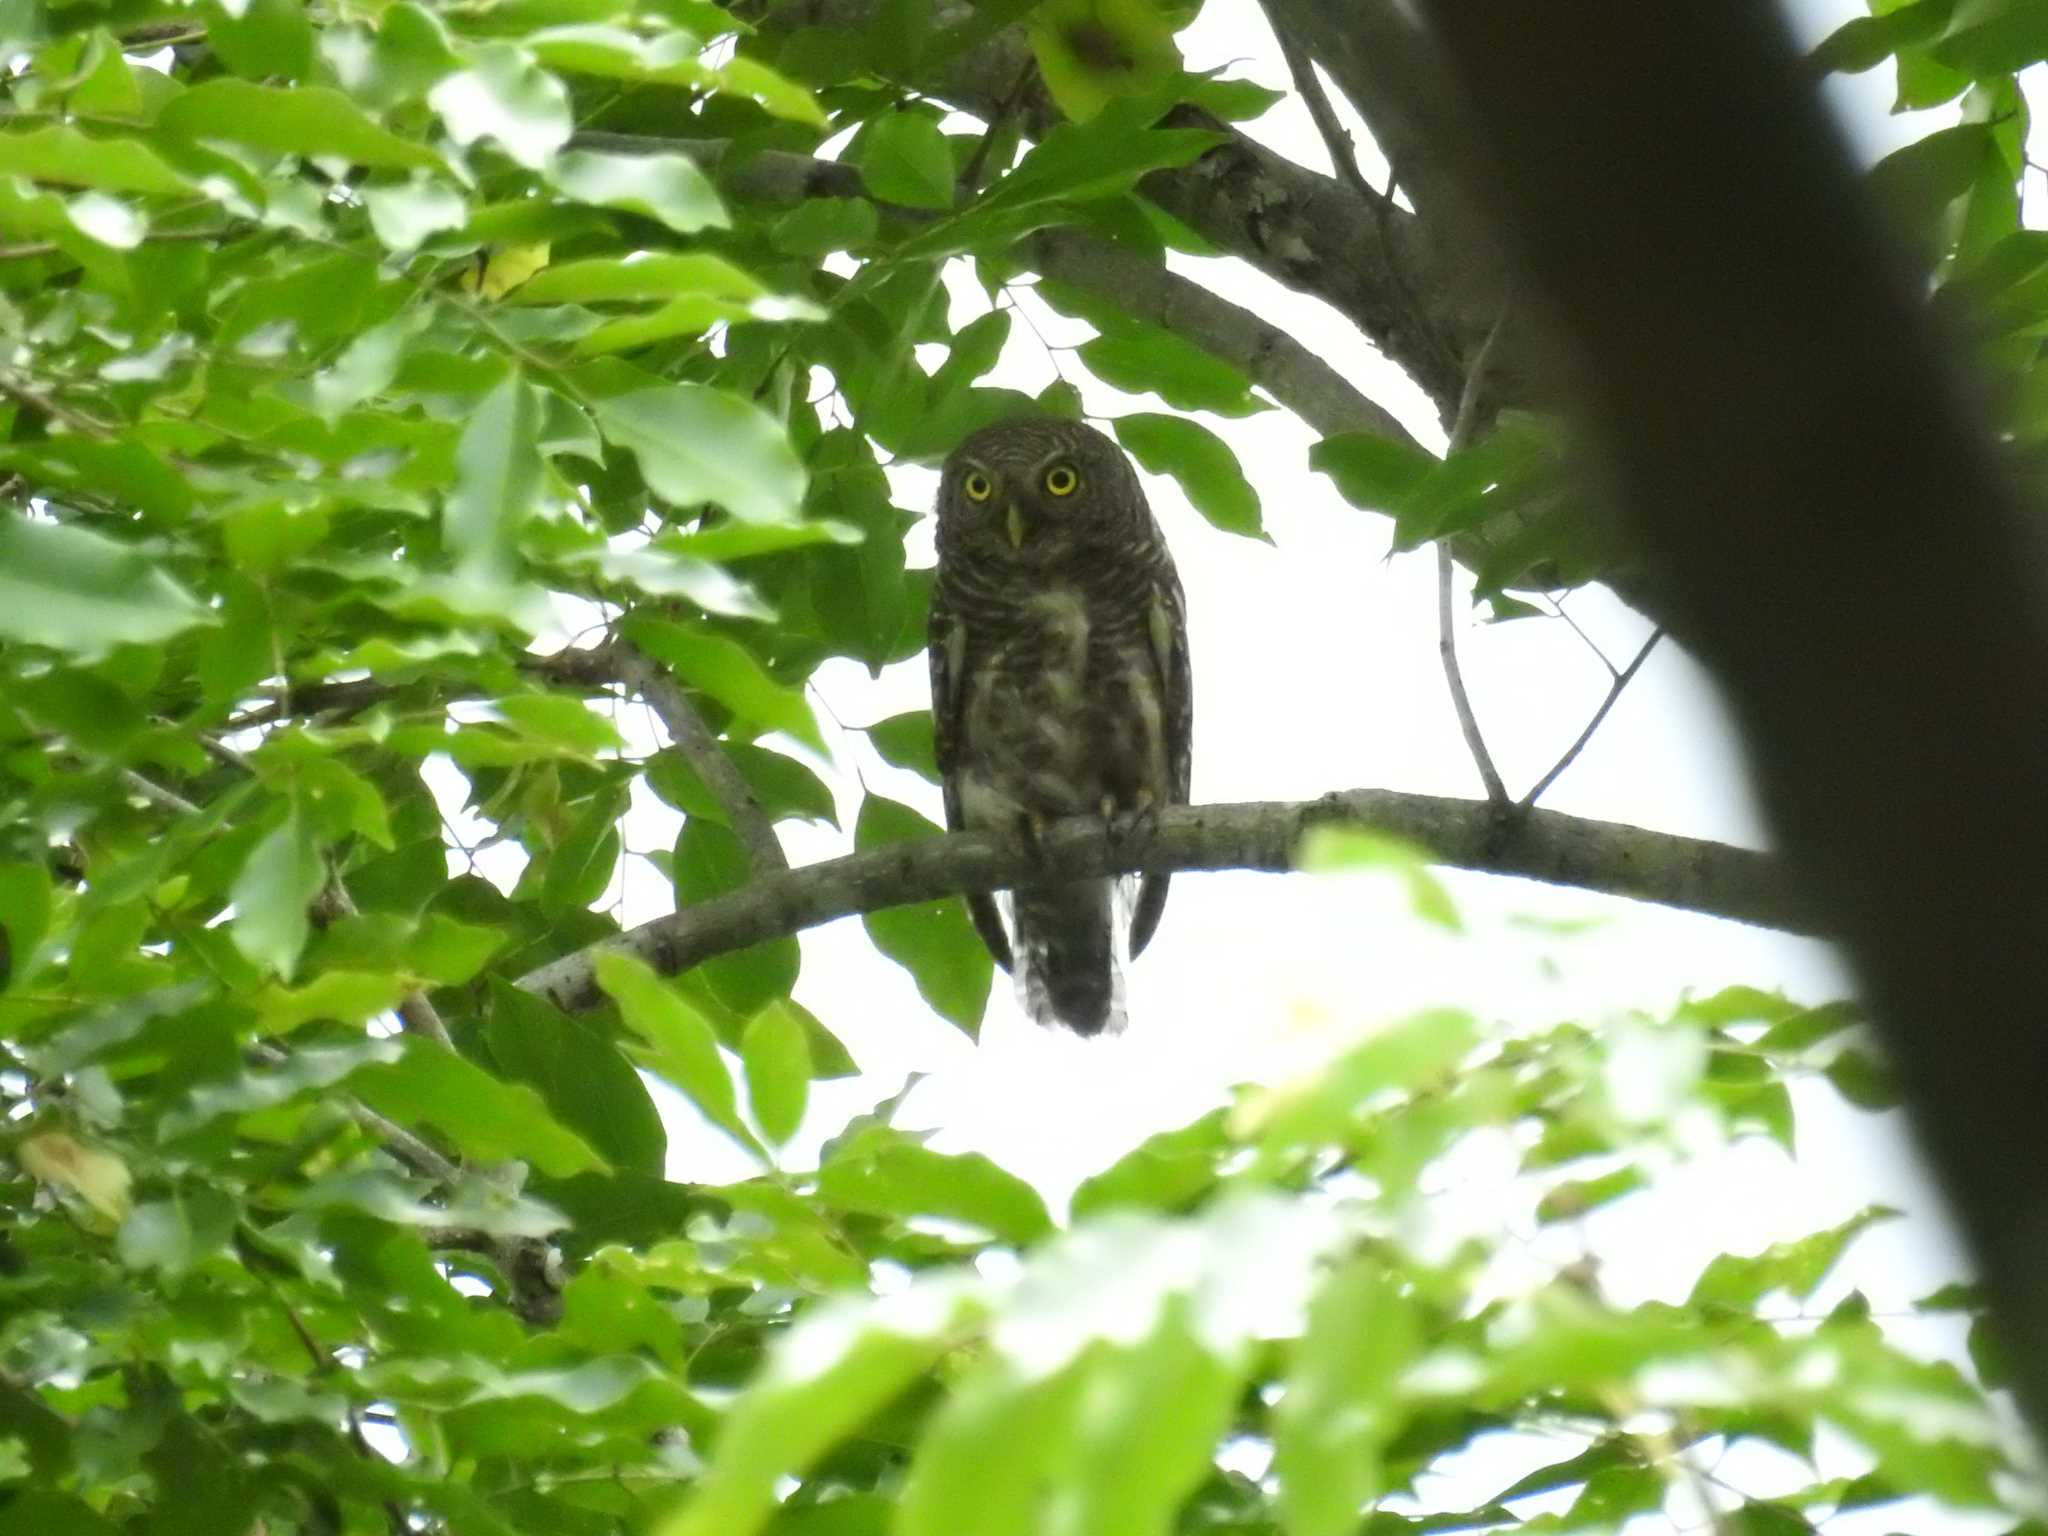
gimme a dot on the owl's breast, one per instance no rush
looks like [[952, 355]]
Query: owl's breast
[[1063, 713]]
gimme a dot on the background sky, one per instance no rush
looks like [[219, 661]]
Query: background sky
[[1315, 669]]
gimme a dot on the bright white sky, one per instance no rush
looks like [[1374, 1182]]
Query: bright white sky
[[1316, 669]]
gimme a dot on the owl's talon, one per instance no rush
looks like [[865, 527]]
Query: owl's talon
[[1031, 831], [1138, 819]]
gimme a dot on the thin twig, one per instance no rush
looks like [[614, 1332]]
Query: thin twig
[[1621, 681], [1447, 651], [1612, 670], [1447, 642], [1336, 138]]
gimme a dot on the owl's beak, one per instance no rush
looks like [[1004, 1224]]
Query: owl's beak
[[1014, 522]]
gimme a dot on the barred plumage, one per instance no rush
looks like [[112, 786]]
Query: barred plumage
[[1060, 687]]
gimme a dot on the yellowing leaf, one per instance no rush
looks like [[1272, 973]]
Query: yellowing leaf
[[506, 268], [98, 1178]]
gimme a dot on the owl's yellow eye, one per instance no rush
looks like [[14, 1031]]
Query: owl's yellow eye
[[1061, 480], [977, 486]]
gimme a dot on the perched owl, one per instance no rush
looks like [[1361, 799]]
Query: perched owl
[[1059, 656]]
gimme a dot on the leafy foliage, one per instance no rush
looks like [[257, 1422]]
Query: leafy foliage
[[356, 355]]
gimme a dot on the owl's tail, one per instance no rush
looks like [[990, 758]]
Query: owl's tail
[[1065, 950]]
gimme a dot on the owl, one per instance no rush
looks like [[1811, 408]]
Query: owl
[[1059, 660]]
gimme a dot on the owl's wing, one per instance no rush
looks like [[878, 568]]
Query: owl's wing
[[1167, 628], [947, 645]]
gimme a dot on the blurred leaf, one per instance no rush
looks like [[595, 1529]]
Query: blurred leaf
[[96, 1176], [273, 893], [1796, 1268], [778, 1061], [697, 444], [296, 120], [1330, 847], [488, 1119], [505, 97], [1340, 1408], [880, 1170], [76, 591], [667, 188], [497, 485], [820, 1386], [904, 159]]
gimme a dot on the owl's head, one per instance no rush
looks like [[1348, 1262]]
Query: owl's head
[[1033, 492]]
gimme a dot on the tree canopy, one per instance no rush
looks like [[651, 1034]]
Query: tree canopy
[[391, 393]]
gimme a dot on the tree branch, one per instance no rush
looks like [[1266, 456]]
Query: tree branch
[[1267, 355], [1782, 451], [1708, 877], [1446, 629], [689, 735], [1571, 753]]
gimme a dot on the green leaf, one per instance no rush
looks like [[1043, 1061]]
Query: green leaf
[[934, 940], [638, 275], [680, 1044], [1797, 1267], [1868, 41], [819, 1387], [1167, 1172], [1341, 1407], [497, 480], [490, 1120], [273, 893], [777, 1055], [504, 96], [1140, 359], [76, 591], [1201, 461], [64, 155], [1153, 1415], [821, 225], [904, 159], [25, 908], [1329, 847], [1091, 54], [1994, 37], [697, 444], [1372, 472], [727, 672], [1404, 1055], [905, 741], [578, 1069], [290, 120], [994, 1453], [405, 215], [667, 188], [174, 1235], [882, 1171]]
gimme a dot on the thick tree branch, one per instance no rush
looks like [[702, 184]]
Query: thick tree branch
[[1265, 354], [1306, 230], [1537, 845], [1833, 524]]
